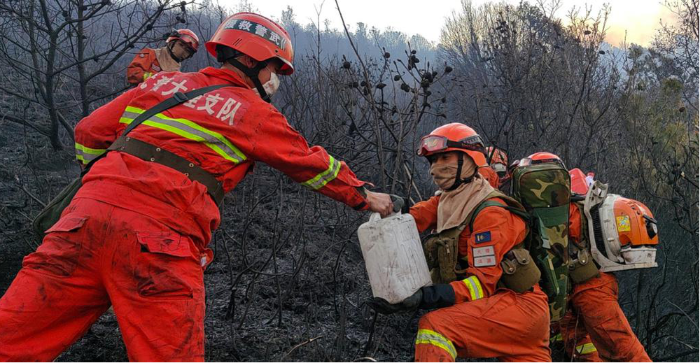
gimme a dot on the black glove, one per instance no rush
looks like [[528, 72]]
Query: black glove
[[382, 306]]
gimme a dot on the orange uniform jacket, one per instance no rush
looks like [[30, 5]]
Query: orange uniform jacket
[[496, 231], [144, 65], [224, 132]]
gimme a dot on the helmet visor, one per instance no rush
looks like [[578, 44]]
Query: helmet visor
[[431, 144]]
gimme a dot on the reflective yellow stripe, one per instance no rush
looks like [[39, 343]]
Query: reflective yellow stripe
[[587, 348], [189, 130], [426, 336], [147, 75], [88, 150], [86, 154], [324, 178], [557, 338], [474, 287]]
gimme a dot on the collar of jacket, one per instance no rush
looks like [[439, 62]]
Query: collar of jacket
[[225, 74]]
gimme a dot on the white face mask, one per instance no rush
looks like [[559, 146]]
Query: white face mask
[[272, 85]]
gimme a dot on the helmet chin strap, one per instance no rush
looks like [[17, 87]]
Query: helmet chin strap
[[170, 51], [253, 74], [458, 181], [228, 55]]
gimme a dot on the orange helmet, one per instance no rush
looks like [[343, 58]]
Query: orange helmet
[[186, 36], [255, 36], [454, 137], [540, 158], [496, 156]]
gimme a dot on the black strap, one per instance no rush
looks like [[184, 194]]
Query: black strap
[[171, 102], [253, 74], [458, 175]]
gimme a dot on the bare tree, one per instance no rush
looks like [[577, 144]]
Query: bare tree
[[52, 46]]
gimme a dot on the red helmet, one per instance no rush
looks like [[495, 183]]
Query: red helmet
[[186, 36], [454, 137], [255, 36], [540, 158]]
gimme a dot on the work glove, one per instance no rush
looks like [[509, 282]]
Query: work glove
[[382, 306], [428, 297]]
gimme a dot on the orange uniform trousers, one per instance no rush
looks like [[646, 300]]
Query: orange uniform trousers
[[595, 309], [571, 332], [506, 325], [99, 255]]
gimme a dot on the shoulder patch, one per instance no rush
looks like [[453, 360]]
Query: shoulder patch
[[483, 251], [484, 256], [482, 237]]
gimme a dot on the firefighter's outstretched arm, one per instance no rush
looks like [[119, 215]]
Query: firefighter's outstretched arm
[[273, 141]]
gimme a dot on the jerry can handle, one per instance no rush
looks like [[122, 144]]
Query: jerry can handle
[[398, 205]]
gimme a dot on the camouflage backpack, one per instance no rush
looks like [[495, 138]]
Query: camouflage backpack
[[543, 187]]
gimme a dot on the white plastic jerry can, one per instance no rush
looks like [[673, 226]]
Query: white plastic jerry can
[[393, 256]]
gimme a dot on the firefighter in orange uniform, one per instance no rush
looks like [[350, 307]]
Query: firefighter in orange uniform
[[498, 160], [489, 174], [180, 45], [136, 234], [596, 329], [476, 316]]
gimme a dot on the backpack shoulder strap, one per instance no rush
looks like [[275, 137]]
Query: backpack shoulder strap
[[171, 102], [512, 206]]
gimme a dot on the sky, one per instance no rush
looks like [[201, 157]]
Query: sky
[[638, 18]]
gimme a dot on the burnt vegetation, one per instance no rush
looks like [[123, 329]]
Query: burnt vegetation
[[288, 279]]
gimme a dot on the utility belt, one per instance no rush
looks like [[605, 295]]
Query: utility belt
[[520, 273], [148, 152]]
